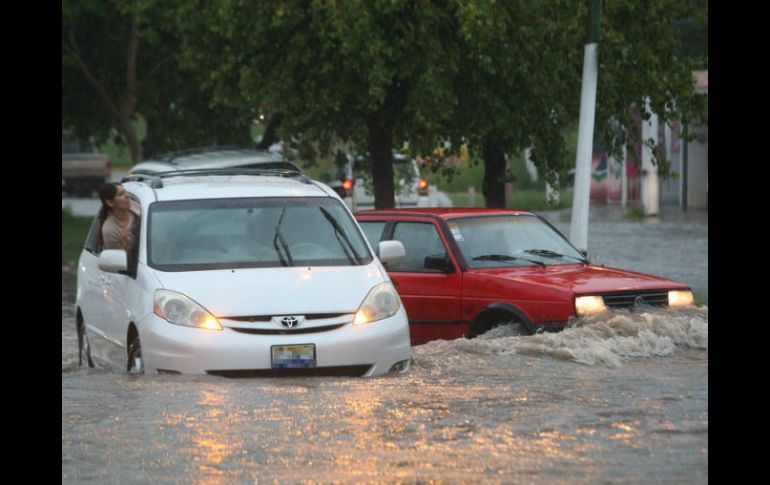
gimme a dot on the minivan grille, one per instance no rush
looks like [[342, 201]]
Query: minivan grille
[[293, 331], [627, 299], [267, 318]]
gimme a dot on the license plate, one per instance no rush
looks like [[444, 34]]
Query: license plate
[[293, 356]]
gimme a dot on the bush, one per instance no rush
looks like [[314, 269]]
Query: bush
[[74, 230], [635, 212]]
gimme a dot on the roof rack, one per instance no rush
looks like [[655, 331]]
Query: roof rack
[[155, 179]]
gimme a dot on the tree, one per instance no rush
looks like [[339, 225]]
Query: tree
[[502, 76], [521, 77], [519, 86], [101, 50], [119, 62], [181, 114], [640, 58], [374, 73]]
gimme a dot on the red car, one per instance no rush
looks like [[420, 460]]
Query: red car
[[467, 270]]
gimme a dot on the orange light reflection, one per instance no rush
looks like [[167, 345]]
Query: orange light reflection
[[210, 437]]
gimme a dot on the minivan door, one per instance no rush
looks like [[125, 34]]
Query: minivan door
[[119, 291], [90, 278]]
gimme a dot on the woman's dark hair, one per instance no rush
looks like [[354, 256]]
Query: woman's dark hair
[[107, 192]]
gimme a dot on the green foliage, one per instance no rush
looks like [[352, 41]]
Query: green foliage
[[498, 76], [520, 81], [464, 176], [457, 178], [74, 230], [115, 149], [524, 63], [635, 212], [115, 145], [639, 61], [92, 32], [104, 91], [373, 73]]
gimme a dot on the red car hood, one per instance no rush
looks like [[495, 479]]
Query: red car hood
[[584, 279]]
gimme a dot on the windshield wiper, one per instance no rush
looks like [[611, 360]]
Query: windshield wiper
[[505, 257], [279, 237], [339, 232], [547, 253]]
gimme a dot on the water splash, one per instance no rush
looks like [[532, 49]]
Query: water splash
[[607, 339]]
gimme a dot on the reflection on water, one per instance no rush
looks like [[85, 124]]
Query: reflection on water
[[621, 398], [210, 434]]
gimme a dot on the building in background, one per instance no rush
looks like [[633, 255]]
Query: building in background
[[689, 161]]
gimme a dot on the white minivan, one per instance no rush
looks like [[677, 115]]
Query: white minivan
[[241, 273]]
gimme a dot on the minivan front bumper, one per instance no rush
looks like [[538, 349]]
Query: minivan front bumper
[[372, 349]]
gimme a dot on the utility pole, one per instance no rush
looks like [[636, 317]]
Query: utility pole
[[685, 167], [650, 181], [582, 193]]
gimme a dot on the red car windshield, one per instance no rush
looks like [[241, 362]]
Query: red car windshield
[[516, 240]]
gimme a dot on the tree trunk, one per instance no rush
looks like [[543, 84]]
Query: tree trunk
[[494, 174], [381, 127], [132, 139], [151, 145], [270, 136], [131, 97], [381, 152]]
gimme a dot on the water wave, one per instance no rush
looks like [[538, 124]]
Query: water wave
[[606, 339]]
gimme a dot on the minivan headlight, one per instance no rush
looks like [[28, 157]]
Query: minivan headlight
[[680, 298], [381, 302], [179, 309], [589, 305]]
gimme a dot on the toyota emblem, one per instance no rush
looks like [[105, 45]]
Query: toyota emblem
[[639, 301], [289, 322]]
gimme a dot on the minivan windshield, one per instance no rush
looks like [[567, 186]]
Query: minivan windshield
[[517, 240], [208, 234]]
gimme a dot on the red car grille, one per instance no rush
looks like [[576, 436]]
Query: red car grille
[[627, 299]]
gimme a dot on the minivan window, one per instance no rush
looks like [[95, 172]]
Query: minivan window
[[207, 234], [92, 243], [92, 239]]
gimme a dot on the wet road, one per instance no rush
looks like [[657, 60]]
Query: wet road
[[620, 399]]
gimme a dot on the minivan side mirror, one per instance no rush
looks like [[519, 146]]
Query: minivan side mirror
[[440, 263], [113, 261], [391, 251]]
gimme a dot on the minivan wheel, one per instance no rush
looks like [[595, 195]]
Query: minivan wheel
[[84, 347], [135, 364]]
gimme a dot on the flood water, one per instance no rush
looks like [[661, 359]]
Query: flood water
[[622, 398]]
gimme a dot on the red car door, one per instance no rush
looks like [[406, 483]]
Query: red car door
[[428, 280]]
